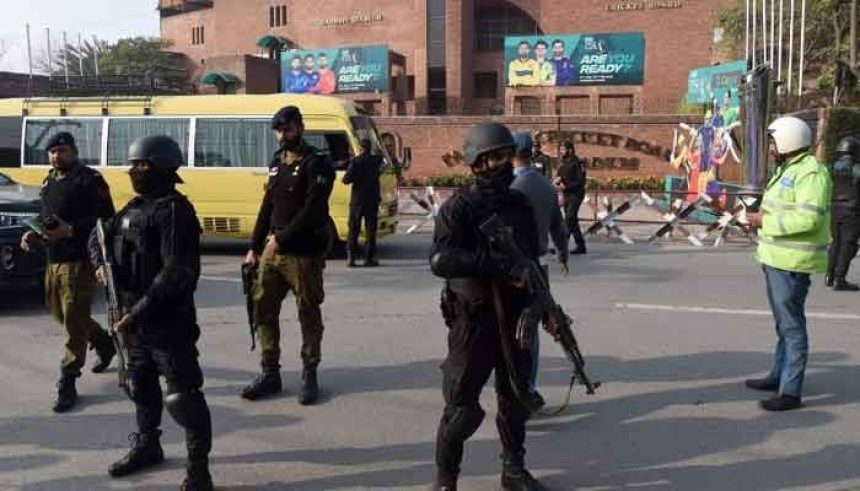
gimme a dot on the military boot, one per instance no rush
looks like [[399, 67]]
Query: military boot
[[371, 262], [310, 390], [444, 481], [266, 384], [515, 477], [145, 452], [105, 351], [828, 280], [840, 284], [197, 477], [67, 394]]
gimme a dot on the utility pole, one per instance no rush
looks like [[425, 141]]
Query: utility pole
[[853, 36]]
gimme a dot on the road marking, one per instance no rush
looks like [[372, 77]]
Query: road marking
[[221, 278], [715, 310]]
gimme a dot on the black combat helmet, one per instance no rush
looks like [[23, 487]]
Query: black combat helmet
[[162, 153], [848, 145], [484, 138], [286, 115]]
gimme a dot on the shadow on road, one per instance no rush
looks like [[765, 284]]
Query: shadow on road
[[618, 443]]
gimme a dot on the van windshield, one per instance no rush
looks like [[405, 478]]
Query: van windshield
[[365, 128]]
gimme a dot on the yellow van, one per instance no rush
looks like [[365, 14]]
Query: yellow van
[[228, 145]]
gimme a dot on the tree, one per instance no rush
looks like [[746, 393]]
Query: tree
[[142, 56], [826, 46], [137, 57], [90, 51]]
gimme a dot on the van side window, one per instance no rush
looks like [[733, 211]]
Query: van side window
[[239, 142], [10, 141], [335, 144], [87, 133], [123, 131]]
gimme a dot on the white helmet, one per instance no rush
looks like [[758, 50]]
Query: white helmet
[[790, 134]]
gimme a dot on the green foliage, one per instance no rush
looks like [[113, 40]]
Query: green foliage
[[72, 55], [650, 183], [685, 107], [441, 180], [141, 56], [841, 122], [827, 36]]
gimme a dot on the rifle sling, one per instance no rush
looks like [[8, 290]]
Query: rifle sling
[[507, 347]]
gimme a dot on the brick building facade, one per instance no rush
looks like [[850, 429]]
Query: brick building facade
[[452, 48]]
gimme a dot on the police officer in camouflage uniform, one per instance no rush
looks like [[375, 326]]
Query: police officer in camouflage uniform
[[845, 213], [154, 244], [73, 197], [483, 297], [542, 162], [289, 246]]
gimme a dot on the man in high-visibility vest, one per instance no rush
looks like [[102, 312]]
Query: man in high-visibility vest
[[793, 236]]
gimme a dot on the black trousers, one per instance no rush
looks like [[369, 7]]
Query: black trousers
[[845, 231], [571, 217], [369, 213], [181, 370], [474, 352]]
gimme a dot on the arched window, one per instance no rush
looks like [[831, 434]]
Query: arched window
[[496, 19]]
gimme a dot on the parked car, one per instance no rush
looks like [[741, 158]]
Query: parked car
[[18, 269]]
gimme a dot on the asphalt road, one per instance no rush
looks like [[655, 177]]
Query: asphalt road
[[671, 331]]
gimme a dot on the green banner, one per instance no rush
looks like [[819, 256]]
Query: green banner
[[575, 59], [709, 83], [335, 70]]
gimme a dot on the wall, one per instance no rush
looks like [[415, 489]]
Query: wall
[[18, 84], [676, 39], [233, 27], [630, 145]]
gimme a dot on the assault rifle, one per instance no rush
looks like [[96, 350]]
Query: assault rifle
[[543, 307], [249, 278], [114, 311]]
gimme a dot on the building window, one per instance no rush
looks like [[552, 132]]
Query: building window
[[437, 94], [486, 85], [494, 22], [197, 35], [577, 104], [527, 106], [616, 104], [277, 15]]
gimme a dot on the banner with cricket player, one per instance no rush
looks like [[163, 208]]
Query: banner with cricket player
[[335, 70], [575, 59], [702, 152]]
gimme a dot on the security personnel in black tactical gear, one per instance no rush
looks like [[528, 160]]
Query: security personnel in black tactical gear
[[74, 196], [363, 174], [845, 213], [155, 247], [290, 242], [571, 180], [481, 302]]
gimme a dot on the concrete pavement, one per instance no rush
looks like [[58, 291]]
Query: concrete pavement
[[671, 331]]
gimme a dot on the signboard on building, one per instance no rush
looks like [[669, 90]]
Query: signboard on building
[[575, 59], [335, 70], [705, 84]]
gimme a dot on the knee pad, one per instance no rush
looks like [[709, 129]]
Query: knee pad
[[143, 391], [463, 421], [187, 408]]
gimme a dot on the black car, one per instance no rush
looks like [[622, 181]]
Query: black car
[[18, 269]]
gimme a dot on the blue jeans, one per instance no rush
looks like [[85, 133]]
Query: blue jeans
[[786, 292]]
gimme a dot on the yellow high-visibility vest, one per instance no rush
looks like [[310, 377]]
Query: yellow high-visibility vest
[[795, 228]]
